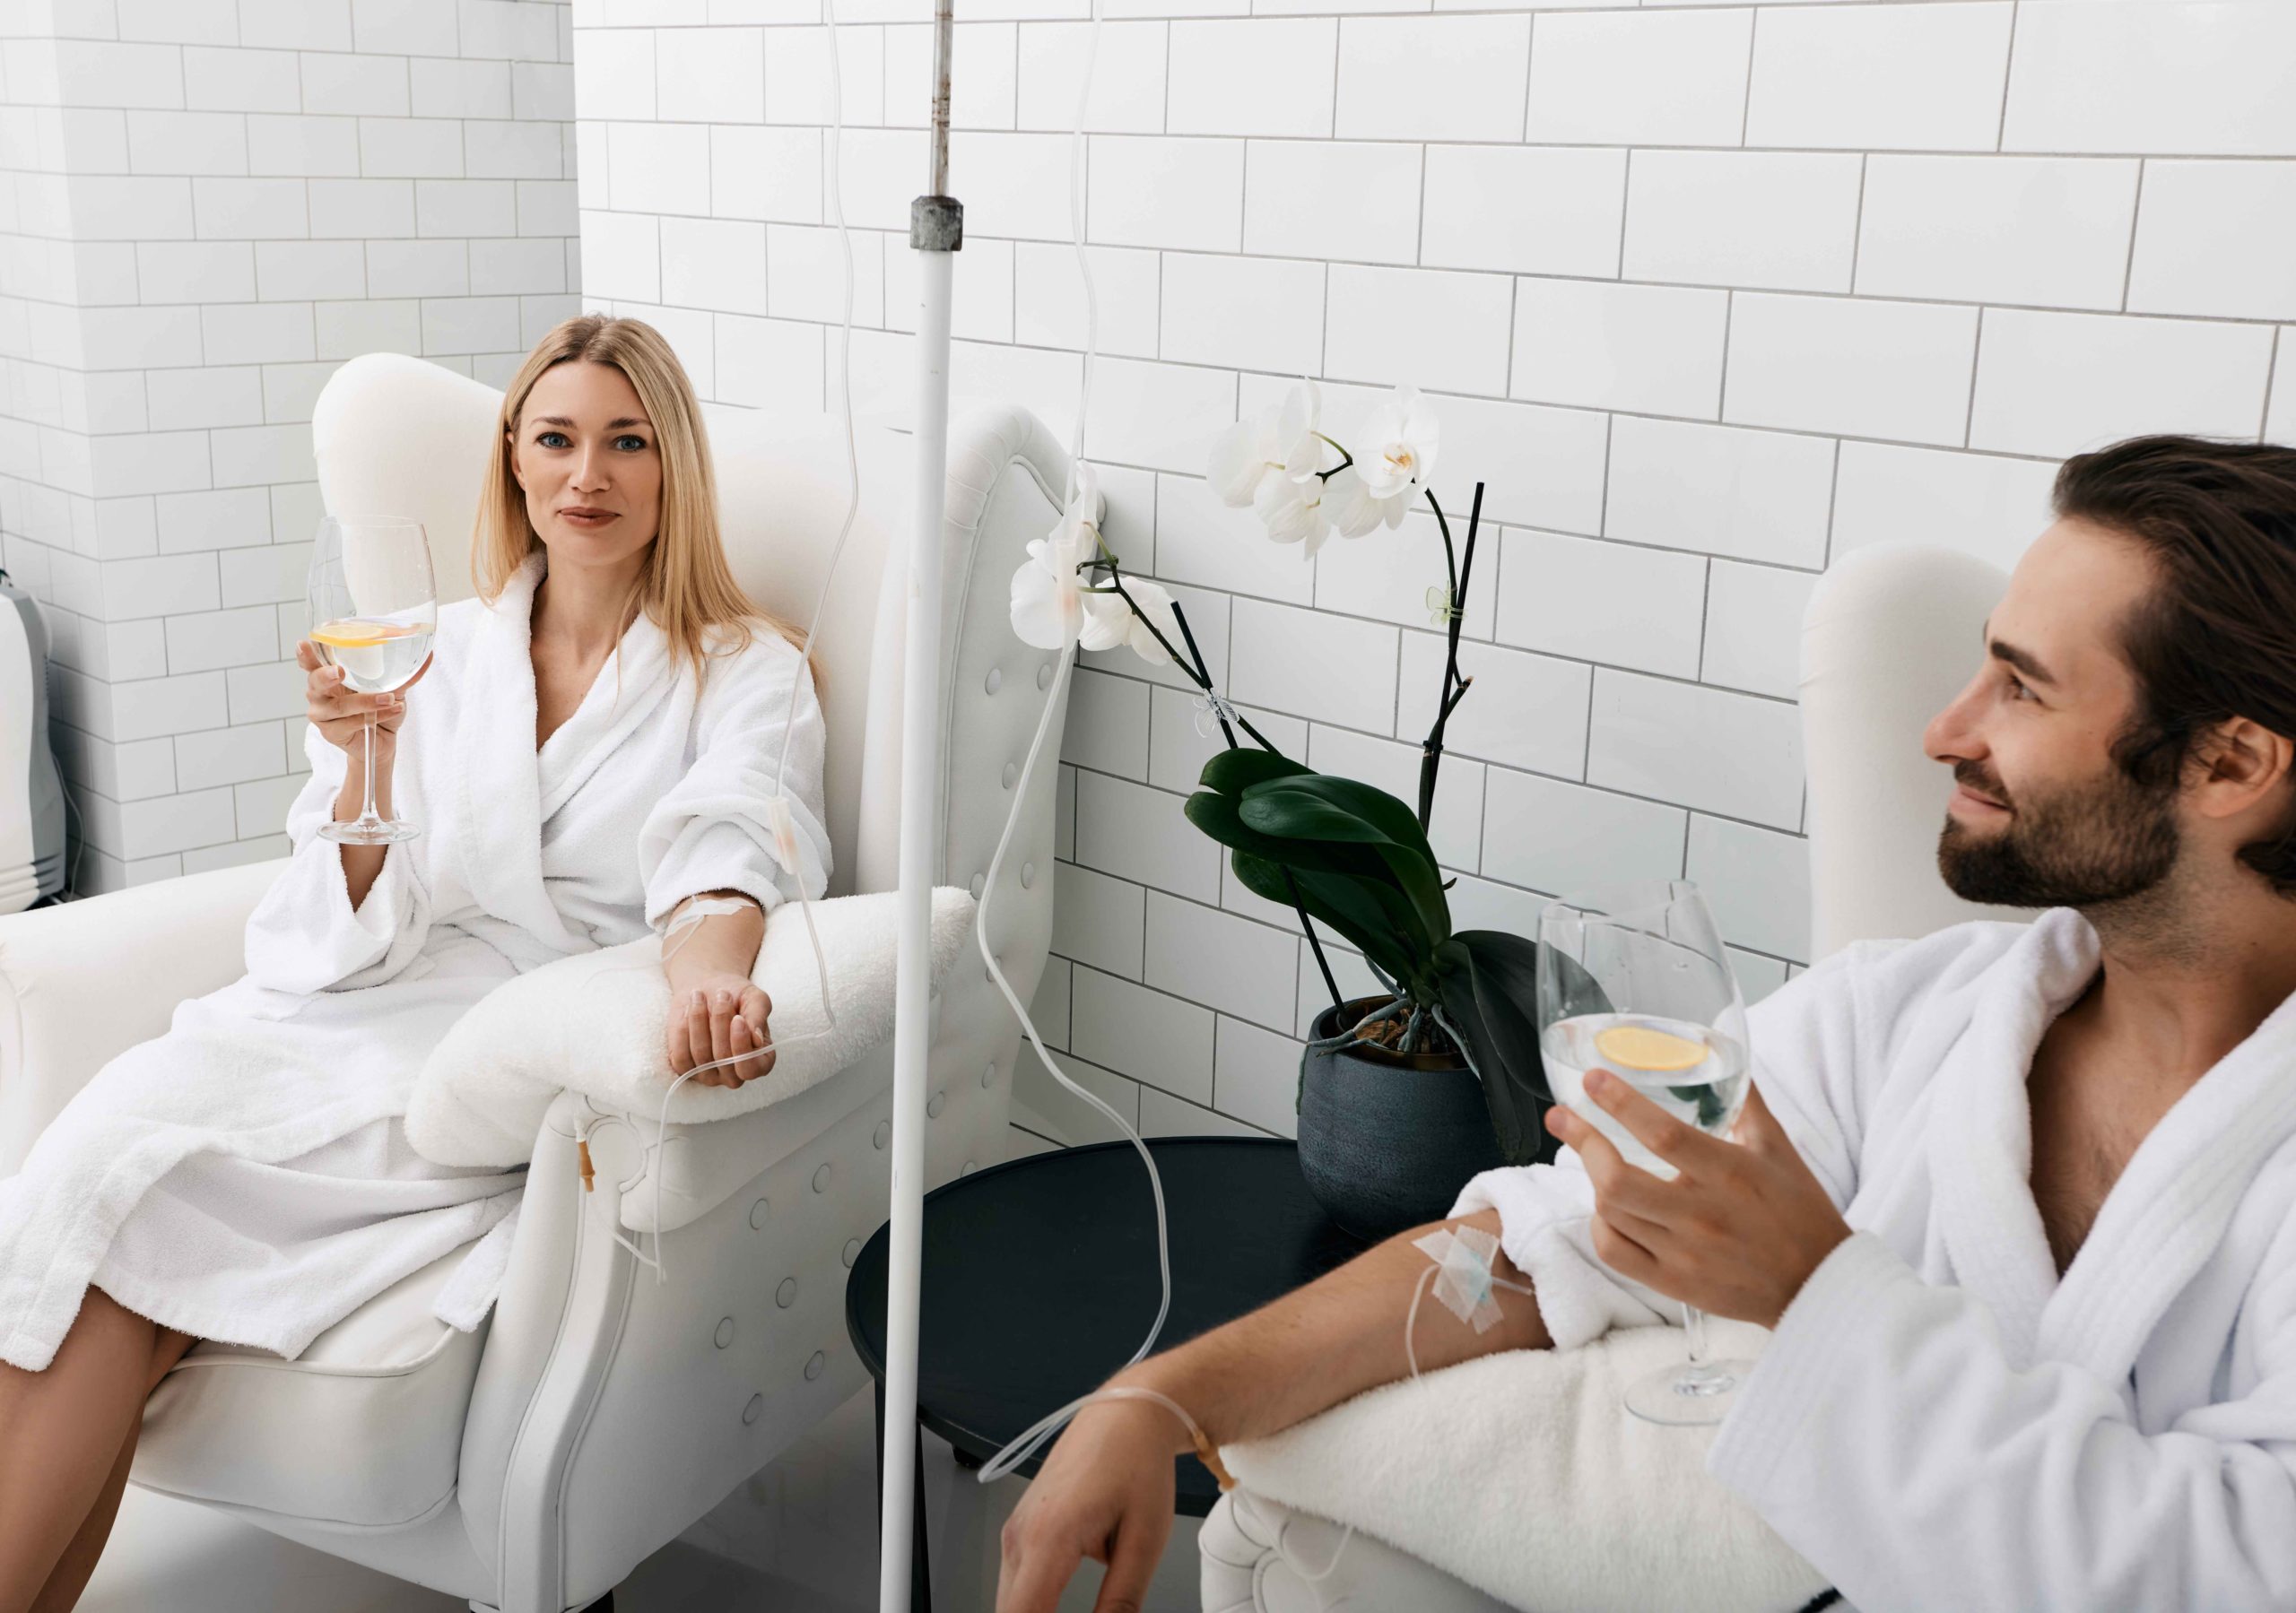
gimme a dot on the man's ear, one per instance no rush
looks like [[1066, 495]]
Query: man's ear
[[2247, 760]]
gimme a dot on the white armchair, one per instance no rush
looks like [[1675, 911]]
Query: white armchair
[[1890, 636], [531, 1465]]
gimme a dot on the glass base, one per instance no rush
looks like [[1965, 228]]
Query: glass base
[[1686, 1396], [380, 831]]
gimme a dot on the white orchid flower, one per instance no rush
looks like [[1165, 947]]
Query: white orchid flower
[[1354, 510], [1295, 512], [1396, 455], [1110, 623], [1278, 443], [1048, 602]]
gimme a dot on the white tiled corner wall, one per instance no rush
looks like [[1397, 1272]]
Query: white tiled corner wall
[[208, 205], [1705, 294]]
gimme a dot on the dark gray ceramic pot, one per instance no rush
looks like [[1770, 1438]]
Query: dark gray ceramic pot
[[1387, 1140]]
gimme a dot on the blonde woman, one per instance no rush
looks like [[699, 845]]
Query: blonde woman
[[590, 749]]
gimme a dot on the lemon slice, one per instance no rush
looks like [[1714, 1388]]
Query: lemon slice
[[1638, 1047], [353, 634]]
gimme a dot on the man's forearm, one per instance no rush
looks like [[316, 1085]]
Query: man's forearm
[[1331, 1340]]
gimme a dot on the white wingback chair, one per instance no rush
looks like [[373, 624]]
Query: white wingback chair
[[529, 1466], [1890, 636]]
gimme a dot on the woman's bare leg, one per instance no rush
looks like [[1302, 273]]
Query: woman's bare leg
[[63, 1435], [74, 1569]]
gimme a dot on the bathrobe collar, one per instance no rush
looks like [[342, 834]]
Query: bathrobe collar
[[2161, 1221], [508, 790]]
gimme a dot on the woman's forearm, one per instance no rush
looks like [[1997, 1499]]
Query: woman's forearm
[[1330, 1341], [722, 944], [361, 864]]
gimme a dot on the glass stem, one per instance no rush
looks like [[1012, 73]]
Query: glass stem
[[369, 815], [1695, 1324]]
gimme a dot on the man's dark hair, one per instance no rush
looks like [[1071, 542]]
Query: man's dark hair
[[2216, 638]]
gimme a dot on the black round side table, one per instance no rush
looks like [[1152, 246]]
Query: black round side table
[[1039, 1282]]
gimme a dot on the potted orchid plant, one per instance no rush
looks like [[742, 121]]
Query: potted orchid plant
[[1406, 1094]]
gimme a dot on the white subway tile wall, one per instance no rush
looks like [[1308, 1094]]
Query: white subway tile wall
[[213, 205], [1707, 295]]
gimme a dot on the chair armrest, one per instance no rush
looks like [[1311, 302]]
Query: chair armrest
[[82, 982]]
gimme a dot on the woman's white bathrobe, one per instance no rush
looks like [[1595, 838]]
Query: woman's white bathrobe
[[246, 1176], [1938, 1421]]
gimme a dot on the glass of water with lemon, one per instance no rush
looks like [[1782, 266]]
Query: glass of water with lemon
[[374, 608], [1634, 980]]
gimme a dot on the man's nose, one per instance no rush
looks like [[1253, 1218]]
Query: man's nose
[[1949, 736]]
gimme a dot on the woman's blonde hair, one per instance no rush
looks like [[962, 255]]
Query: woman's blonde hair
[[686, 588]]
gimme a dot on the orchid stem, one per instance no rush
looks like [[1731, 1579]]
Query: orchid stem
[[1460, 573], [1203, 675]]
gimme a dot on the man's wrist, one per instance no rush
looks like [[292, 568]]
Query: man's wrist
[[1155, 1373]]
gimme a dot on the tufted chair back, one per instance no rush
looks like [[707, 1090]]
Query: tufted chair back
[[1889, 638], [399, 436]]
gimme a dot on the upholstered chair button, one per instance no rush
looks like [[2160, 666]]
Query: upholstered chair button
[[989, 1076], [821, 1178], [1044, 676], [1028, 875], [852, 1251], [724, 1331], [995, 679], [877, 1140], [754, 1410], [936, 1104], [813, 1365], [1010, 773], [757, 1214], [979, 883], [786, 1294]]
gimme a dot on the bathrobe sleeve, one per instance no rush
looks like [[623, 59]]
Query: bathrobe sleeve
[[304, 935], [1886, 1437], [713, 829], [1809, 1058]]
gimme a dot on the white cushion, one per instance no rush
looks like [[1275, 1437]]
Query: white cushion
[[594, 1024], [1524, 1475], [365, 1428]]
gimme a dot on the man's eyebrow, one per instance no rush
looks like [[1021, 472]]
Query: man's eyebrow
[[2025, 661]]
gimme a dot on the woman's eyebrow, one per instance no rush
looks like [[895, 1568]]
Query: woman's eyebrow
[[612, 425]]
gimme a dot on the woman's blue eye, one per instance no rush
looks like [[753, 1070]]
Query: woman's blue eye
[[553, 439], [630, 443]]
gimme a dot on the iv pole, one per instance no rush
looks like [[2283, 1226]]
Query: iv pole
[[936, 232]]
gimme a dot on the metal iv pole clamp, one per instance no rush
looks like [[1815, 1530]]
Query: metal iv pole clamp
[[937, 224]]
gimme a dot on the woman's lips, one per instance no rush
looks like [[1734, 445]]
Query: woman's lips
[[588, 518]]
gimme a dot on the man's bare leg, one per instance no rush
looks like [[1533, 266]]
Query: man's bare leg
[[1106, 1491], [66, 1436]]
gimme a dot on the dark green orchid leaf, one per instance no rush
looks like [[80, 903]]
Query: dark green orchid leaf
[[1218, 816], [1234, 771]]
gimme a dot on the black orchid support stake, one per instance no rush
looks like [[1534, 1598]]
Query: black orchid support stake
[[1201, 675]]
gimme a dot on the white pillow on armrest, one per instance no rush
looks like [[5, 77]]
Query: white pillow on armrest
[[594, 1024], [1523, 1474]]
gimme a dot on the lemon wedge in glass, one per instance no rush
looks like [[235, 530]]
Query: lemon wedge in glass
[[1638, 1047]]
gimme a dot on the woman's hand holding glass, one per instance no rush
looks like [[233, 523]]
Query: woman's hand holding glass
[[341, 714]]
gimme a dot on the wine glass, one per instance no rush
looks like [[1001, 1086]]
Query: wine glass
[[1633, 979], [373, 610]]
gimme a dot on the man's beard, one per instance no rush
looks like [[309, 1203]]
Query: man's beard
[[2079, 846]]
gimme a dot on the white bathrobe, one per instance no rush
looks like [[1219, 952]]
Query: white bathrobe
[[246, 1176], [1939, 1422]]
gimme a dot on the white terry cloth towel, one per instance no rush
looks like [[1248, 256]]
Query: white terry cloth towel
[[594, 1024], [282, 1092], [1524, 1475], [1940, 1419]]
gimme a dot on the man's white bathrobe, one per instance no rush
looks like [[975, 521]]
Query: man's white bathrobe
[[1939, 1422], [246, 1176]]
